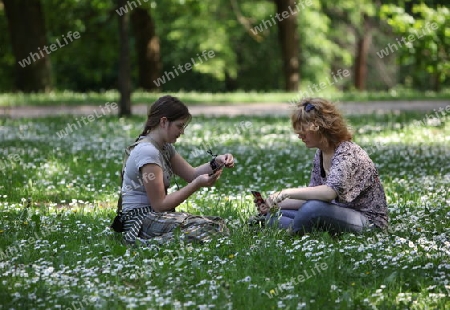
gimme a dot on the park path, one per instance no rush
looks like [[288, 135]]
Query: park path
[[280, 108]]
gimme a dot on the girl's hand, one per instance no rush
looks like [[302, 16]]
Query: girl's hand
[[226, 159], [205, 180]]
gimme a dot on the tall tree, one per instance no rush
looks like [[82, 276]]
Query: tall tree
[[147, 48], [359, 18], [363, 41], [288, 37], [28, 39], [124, 63]]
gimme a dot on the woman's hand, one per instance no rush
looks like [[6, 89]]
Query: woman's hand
[[277, 197], [270, 204], [226, 159]]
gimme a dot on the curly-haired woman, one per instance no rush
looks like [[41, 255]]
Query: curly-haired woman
[[344, 193]]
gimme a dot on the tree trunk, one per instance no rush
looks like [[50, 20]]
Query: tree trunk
[[147, 48], [288, 36], [28, 39], [124, 64], [231, 83], [437, 81], [363, 42]]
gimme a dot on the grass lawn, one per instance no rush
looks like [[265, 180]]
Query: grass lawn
[[192, 98], [58, 195]]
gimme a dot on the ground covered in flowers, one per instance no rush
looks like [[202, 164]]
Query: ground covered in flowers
[[58, 195]]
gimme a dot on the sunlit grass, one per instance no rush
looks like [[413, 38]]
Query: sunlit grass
[[58, 195], [57, 98]]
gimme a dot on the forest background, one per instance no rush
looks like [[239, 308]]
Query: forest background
[[224, 45]]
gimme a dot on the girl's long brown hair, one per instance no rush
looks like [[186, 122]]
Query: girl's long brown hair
[[167, 106]]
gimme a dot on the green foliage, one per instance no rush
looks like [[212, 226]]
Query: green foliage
[[186, 29], [258, 52], [91, 62], [6, 56], [423, 37], [244, 60]]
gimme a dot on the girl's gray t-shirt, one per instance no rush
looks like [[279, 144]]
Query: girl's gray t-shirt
[[133, 191]]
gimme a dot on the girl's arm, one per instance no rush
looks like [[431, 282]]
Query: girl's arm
[[188, 173], [152, 175]]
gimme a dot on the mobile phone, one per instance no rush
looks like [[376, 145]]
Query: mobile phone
[[258, 196], [217, 169]]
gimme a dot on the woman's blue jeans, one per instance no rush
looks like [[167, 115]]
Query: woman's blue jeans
[[317, 214]]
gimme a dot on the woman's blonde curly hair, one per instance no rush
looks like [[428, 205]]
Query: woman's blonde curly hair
[[318, 114]]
